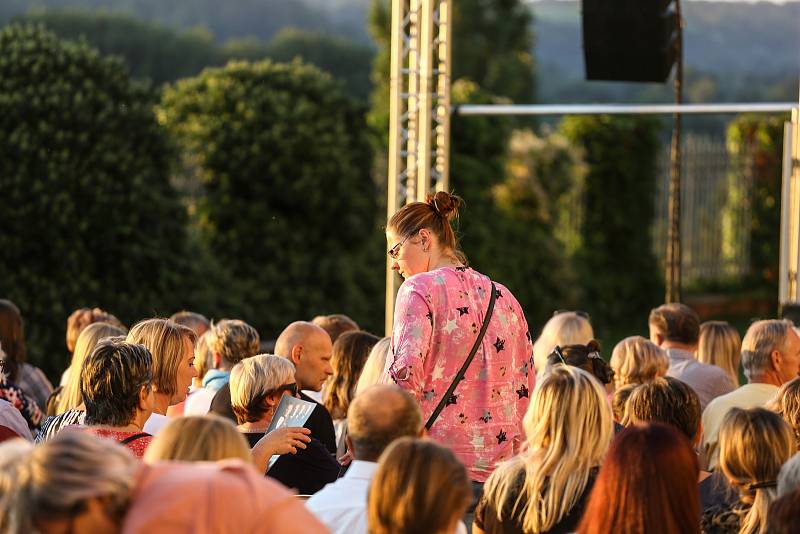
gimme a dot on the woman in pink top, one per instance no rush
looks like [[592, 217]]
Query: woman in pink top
[[439, 311]]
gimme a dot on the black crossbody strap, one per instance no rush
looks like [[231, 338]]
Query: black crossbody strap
[[461, 372], [131, 439]]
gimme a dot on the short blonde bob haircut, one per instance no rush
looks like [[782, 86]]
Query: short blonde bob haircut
[[164, 339], [565, 328], [635, 360], [198, 438], [254, 378], [419, 486], [721, 345], [787, 405], [70, 396]]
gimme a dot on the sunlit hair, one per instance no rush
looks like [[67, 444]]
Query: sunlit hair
[[83, 317], [335, 324], [112, 378], [648, 484], [435, 215], [619, 401], [787, 405], [233, 340], [419, 486], [193, 320], [54, 480], [165, 340], [198, 438], [70, 396], [252, 379], [568, 427], [675, 322], [636, 360], [761, 339], [350, 353], [566, 328], [665, 400], [202, 355], [753, 445], [373, 370], [720, 344]]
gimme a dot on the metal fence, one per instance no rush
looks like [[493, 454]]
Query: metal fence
[[715, 209]]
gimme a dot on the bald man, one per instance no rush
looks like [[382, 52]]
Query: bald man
[[376, 417], [309, 348]]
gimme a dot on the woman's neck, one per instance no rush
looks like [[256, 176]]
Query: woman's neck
[[440, 259], [160, 403]]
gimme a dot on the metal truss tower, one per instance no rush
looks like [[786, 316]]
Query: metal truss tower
[[419, 109]]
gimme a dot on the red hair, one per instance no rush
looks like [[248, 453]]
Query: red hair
[[648, 483]]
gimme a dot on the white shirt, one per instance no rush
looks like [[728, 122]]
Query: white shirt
[[747, 396], [155, 423], [199, 402], [342, 505]]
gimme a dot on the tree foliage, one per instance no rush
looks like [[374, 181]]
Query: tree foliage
[[88, 215], [756, 143], [616, 265], [151, 50], [288, 203]]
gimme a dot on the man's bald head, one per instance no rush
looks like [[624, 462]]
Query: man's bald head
[[378, 416], [309, 348]]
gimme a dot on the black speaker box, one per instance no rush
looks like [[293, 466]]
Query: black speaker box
[[629, 40]]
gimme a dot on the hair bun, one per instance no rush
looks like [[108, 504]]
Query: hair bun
[[444, 204]]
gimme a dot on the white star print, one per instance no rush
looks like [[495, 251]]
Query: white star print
[[450, 326]]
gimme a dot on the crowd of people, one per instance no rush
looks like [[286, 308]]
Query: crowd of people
[[460, 421]]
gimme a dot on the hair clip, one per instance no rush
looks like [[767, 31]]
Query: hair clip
[[595, 354], [761, 485]]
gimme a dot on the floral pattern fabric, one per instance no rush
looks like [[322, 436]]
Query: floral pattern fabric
[[22, 402], [438, 315]]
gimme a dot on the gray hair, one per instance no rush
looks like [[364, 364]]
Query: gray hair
[[254, 378], [761, 339], [789, 476]]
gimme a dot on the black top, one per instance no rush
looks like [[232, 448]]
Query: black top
[[486, 516], [715, 491], [307, 471], [319, 422]]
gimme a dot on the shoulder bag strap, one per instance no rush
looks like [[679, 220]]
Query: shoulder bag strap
[[131, 439], [461, 372]]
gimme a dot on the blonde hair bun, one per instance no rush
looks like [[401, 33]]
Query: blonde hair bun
[[444, 204]]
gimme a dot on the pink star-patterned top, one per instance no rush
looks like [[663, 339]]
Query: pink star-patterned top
[[438, 315]]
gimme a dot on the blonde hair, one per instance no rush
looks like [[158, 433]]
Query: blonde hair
[[569, 428], [619, 401], [233, 340], [754, 444], [70, 396], [373, 370], [760, 340], [720, 344], [636, 360], [254, 378], [419, 486], [566, 328], [164, 339], [202, 355], [787, 405], [350, 353], [83, 317], [53, 479], [198, 438]]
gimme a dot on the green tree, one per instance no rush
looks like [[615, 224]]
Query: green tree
[[618, 272], [88, 214], [345, 59], [755, 144], [288, 202], [150, 50]]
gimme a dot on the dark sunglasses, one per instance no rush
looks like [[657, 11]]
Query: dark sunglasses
[[291, 388]]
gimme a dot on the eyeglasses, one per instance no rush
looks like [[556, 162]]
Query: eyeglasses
[[291, 388], [394, 252]]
